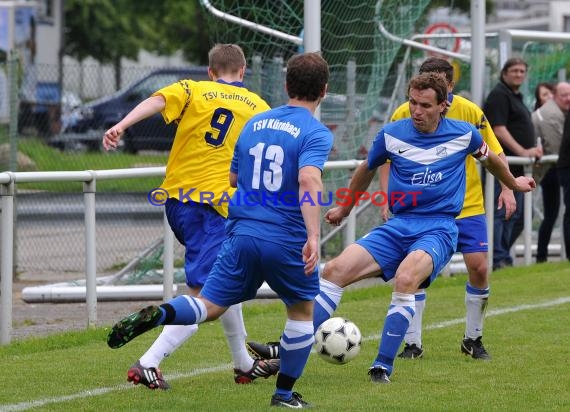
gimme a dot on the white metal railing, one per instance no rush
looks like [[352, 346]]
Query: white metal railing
[[506, 40], [8, 180], [527, 163]]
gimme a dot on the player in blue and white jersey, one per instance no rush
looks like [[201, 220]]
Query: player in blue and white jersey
[[427, 154], [426, 164], [273, 227]]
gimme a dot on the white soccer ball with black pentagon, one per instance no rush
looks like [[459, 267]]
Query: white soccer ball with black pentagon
[[338, 340]]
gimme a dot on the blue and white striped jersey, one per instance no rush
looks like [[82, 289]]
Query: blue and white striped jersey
[[427, 174]]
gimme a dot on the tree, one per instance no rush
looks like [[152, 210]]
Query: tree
[[106, 30], [109, 30], [183, 26]]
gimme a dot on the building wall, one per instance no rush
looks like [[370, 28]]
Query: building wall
[[560, 16], [48, 33], [89, 79]]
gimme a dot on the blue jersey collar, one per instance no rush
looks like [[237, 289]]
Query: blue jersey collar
[[237, 84]]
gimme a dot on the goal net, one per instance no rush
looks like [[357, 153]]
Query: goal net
[[362, 65]]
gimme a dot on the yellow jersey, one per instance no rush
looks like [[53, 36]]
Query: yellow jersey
[[210, 116], [466, 110]]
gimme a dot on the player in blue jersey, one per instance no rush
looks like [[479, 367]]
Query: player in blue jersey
[[273, 227], [471, 224], [427, 154], [209, 117]]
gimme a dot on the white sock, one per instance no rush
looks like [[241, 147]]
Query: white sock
[[476, 305], [414, 332], [332, 290], [234, 328], [170, 339]]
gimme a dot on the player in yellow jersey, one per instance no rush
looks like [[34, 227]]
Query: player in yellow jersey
[[196, 193], [471, 223]]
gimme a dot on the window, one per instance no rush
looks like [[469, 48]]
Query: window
[[46, 11]]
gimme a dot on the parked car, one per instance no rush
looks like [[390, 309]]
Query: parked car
[[70, 110], [40, 109], [93, 118], [86, 124]]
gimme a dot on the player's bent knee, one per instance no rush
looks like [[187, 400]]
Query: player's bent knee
[[332, 270], [406, 282], [338, 272], [214, 311]]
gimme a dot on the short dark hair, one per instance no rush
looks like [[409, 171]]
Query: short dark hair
[[426, 81], [226, 59], [307, 76], [438, 65], [513, 61]]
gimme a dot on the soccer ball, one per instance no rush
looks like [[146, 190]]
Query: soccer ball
[[338, 340]]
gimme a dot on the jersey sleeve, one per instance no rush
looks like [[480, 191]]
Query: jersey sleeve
[[262, 106], [489, 135], [235, 157], [477, 147], [315, 148], [178, 97], [378, 155]]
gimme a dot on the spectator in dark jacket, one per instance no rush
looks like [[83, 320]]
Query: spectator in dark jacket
[[510, 120], [564, 178]]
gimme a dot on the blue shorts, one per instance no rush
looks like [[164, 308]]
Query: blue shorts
[[472, 234], [245, 262], [390, 243], [201, 230]]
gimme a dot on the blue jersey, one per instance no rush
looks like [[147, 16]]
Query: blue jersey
[[427, 176], [271, 149]]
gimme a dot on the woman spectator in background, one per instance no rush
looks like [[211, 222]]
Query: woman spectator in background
[[542, 93], [548, 120]]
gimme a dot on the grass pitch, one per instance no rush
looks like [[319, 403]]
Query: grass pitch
[[527, 333]]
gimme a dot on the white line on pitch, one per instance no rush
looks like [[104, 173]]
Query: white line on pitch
[[196, 372], [494, 312], [101, 391]]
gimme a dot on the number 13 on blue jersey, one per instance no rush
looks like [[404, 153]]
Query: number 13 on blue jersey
[[272, 176]]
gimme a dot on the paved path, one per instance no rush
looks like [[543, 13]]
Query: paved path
[[40, 319]]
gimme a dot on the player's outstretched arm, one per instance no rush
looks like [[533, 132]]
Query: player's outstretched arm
[[498, 168], [360, 181], [144, 109]]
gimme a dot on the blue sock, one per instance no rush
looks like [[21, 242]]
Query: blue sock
[[294, 350], [326, 302], [420, 295], [397, 321], [183, 310]]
